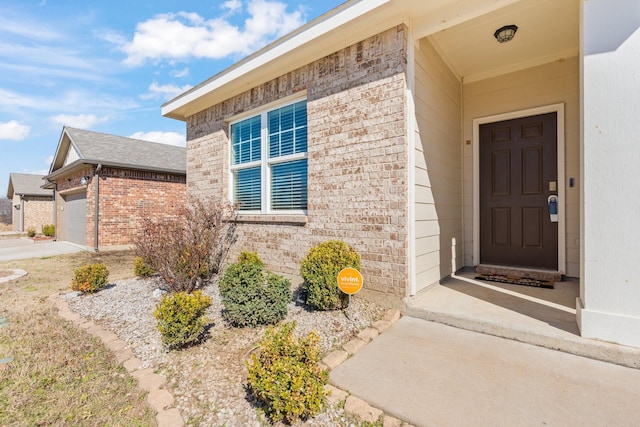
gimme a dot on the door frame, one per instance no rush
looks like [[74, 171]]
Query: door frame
[[553, 108]]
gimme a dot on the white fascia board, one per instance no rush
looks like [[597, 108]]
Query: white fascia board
[[306, 34]]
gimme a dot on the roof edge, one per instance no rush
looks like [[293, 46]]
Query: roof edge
[[88, 162], [309, 32]]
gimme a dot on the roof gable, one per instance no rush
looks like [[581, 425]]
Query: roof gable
[[78, 146], [27, 185]]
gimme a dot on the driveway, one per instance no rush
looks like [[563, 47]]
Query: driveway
[[12, 249]]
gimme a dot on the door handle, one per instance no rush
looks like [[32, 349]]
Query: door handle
[[552, 203]]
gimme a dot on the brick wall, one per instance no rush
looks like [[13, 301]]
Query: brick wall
[[126, 197], [129, 196], [357, 161], [35, 211]]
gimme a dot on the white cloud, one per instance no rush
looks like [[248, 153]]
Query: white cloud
[[18, 26], [13, 130], [48, 160], [73, 101], [169, 138], [232, 5], [180, 73], [82, 121], [164, 91], [178, 36]]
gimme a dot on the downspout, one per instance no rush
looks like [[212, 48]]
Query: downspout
[[22, 213], [55, 211], [96, 176]]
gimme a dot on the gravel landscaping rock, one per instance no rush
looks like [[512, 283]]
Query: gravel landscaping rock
[[208, 381]]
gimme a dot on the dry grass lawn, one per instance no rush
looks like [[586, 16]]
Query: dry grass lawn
[[61, 375]]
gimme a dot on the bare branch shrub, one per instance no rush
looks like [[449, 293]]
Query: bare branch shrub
[[188, 249]]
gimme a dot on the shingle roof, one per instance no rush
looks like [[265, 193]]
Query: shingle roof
[[135, 153], [27, 185]]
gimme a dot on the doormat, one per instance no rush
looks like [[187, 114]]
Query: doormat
[[523, 281]]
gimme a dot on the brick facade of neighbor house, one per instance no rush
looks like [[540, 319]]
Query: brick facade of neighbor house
[[357, 161], [126, 197], [37, 211]]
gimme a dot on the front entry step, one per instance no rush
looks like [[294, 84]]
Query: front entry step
[[546, 275]]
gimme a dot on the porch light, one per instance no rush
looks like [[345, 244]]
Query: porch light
[[506, 33], [84, 180]]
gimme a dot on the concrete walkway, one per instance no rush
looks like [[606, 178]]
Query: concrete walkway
[[14, 249], [430, 374], [485, 354]]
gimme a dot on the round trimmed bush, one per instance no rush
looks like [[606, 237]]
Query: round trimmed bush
[[253, 296], [90, 278], [320, 269], [286, 375], [181, 318], [141, 268]]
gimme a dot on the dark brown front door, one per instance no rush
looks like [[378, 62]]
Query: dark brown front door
[[518, 172]]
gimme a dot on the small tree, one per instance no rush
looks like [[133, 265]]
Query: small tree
[[188, 249]]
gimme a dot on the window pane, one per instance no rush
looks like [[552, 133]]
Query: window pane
[[245, 141], [287, 128], [289, 185], [246, 191]]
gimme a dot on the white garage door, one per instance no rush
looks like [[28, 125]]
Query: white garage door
[[75, 218]]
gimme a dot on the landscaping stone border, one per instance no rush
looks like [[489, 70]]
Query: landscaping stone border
[[159, 398], [163, 402], [352, 404], [17, 273]]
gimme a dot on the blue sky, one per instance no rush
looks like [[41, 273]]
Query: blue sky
[[108, 66]]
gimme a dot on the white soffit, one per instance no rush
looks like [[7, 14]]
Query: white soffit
[[548, 30]]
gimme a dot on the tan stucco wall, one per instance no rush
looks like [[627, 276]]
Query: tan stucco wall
[[556, 82], [438, 168]]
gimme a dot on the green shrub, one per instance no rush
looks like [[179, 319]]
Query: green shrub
[[253, 296], [49, 230], [286, 376], [181, 318], [90, 278], [249, 257], [320, 269], [31, 232], [141, 268]]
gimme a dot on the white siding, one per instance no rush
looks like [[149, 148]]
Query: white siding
[[438, 169]]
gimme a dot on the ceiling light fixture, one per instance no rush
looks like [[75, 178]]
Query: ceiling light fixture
[[506, 33]]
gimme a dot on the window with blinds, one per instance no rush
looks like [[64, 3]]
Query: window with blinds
[[269, 160]]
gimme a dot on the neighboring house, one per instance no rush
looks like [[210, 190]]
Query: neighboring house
[[32, 204], [105, 185], [406, 129]]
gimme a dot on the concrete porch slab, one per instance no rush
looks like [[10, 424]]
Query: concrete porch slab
[[542, 317]]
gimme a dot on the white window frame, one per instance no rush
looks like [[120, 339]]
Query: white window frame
[[265, 162]]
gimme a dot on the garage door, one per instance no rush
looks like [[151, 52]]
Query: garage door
[[75, 218]]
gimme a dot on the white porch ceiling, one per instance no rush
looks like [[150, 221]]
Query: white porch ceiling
[[548, 30]]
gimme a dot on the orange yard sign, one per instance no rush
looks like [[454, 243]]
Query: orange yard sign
[[350, 281]]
